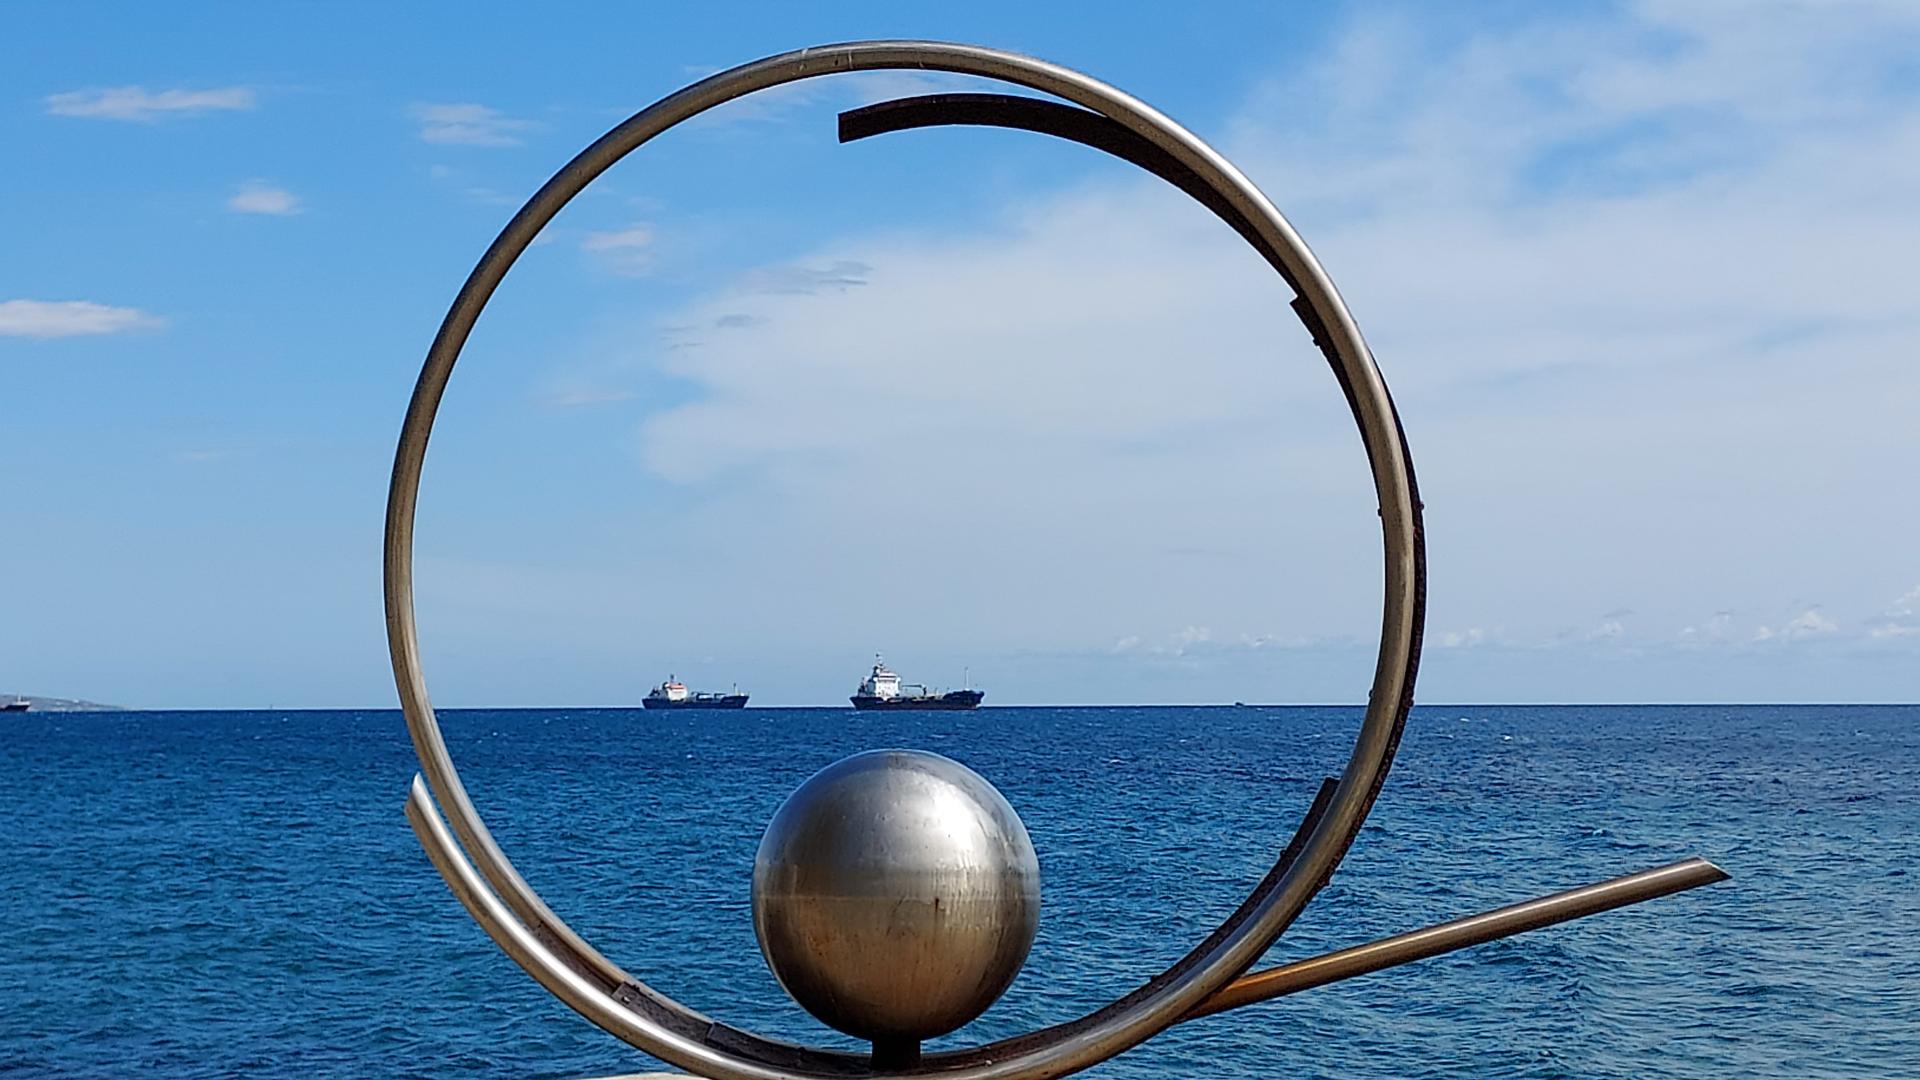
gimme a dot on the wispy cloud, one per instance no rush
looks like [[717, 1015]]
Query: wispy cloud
[[260, 197], [1470, 638], [838, 276], [1179, 643], [1901, 619], [627, 251], [1608, 630], [1716, 630], [468, 124], [1908, 606], [1563, 238], [70, 318], [461, 182], [1808, 624], [139, 104], [1201, 640]]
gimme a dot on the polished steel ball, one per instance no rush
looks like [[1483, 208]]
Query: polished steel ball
[[895, 895]]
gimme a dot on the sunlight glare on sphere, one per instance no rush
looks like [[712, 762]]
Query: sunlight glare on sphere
[[895, 895]]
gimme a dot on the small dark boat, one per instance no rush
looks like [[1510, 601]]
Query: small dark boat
[[673, 694], [16, 705], [882, 689]]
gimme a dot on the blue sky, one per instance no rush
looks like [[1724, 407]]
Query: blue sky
[[759, 405]]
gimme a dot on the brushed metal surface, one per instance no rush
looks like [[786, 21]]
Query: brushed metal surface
[[1462, 933], [895, 895], [500, 900]]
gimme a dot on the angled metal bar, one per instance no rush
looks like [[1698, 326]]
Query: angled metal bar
[[1461, 933]]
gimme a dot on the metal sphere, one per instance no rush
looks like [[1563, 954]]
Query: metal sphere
[[895, 895]]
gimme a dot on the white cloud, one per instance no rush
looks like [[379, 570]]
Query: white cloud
[[260, 197], [1716, 631], [1808, 624], [1565, 241], [1199, 640], [1901, 618], [467, 124], [839, 275], [69, 318], [1192, 635], [140, 104], [1908, 604], [626, 251]]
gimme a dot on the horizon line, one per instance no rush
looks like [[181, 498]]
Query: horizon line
[[395, 708]]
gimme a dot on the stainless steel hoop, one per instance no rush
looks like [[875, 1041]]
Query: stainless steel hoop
[[527, 930]]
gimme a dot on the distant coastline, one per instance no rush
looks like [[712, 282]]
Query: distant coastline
[[54, 704]]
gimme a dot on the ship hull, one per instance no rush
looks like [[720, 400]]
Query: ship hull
[[724, 701], [955, 701], [15, 706]]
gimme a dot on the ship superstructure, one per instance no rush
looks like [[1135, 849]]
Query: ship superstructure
[[882, 689]]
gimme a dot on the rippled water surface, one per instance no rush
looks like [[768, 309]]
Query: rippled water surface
[[203, 894]]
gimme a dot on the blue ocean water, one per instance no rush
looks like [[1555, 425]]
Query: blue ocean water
[[209, 894]]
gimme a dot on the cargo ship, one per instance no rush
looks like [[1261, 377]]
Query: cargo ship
[[673, 694], [882, 689]]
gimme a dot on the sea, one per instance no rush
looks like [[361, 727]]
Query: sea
[[212, 894]]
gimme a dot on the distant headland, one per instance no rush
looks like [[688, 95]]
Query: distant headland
[[54, 704]]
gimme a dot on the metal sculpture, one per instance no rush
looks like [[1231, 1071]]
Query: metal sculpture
[[895, 896], [913, 834]]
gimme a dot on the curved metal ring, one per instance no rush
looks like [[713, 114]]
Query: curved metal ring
[[591, 984]]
